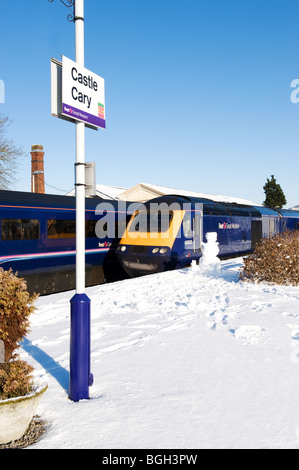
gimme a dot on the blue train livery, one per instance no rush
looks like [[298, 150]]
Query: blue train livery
[[167, 232], [37, 240]]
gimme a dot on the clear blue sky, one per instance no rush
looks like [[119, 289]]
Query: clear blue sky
[[197, 92]]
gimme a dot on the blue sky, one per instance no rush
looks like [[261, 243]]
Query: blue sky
[[197, 92]]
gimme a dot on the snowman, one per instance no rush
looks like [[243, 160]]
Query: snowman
[[209, 262]]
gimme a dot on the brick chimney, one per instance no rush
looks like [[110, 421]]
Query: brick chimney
[[37, 169]]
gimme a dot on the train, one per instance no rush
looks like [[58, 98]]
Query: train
[[123, 239], [167, 232], [37, 239]]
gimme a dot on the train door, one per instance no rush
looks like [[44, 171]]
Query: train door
[[256, 232], [272, 226], [197, 230]]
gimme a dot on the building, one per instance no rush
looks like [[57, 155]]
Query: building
[[143, 192]]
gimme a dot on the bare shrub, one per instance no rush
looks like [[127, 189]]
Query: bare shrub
[[275, 260]]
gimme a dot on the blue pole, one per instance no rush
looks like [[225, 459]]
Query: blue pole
[[80, 376]]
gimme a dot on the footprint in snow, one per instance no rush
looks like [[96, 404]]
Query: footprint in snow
[[249, 334], [295, 346]]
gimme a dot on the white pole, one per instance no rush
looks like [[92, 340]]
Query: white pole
[[80, 161], [80, 377]]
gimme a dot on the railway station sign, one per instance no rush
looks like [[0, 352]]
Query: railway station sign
[[77, 95], [83, 94]]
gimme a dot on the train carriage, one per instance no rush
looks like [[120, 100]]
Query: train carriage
[[289, 219], [37, 240]]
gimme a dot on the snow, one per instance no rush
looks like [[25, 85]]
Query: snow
[[104, 191], [214, 197], [181, 360]]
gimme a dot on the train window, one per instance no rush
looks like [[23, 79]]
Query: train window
[[90, 228], [67, 228], [61, 228], [151, 221], [19, 229], [197, 225], [187, 226]]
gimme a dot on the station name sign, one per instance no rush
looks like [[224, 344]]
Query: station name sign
[[83, 94]]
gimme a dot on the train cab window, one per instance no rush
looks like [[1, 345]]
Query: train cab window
[[161, 220], [19, 229], [151, 221]]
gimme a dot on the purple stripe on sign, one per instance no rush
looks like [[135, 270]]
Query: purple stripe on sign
[[77, 114]]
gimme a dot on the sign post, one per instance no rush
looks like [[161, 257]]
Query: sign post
[[80, 376], [78, 96]]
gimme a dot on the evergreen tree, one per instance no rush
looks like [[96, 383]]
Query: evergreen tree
[[274, 194]]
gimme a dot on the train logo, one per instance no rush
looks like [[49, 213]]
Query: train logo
[[227, 226]]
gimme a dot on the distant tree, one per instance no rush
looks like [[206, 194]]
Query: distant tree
[[274, 194], [9, 154]]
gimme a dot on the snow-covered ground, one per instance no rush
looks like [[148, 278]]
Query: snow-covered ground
[[181, 360]]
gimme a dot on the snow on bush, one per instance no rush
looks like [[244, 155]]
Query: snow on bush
[[275, 260]]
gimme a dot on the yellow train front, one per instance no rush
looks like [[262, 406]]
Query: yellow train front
[[162, 234]]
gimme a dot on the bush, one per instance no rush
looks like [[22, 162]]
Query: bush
[[15, 379], [15, 307], [275, 260]]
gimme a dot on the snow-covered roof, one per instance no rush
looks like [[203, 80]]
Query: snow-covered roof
[[142, 192], [104, 191], [152, 190], [110, 192]]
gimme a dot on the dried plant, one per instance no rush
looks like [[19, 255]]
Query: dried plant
[[16, 305], [275, 260]]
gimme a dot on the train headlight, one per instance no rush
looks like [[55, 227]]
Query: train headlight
[[155, 250], [123, 248], [163, 250]]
